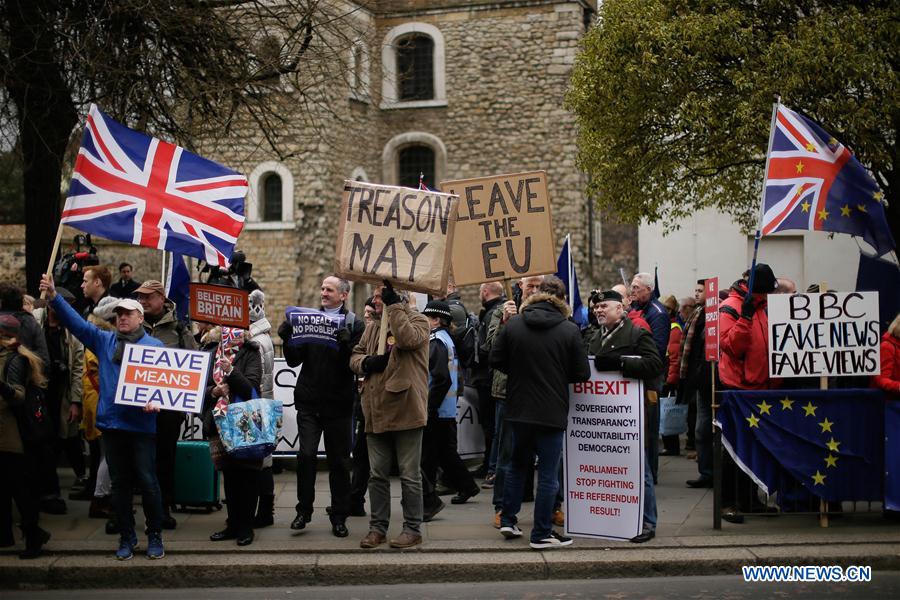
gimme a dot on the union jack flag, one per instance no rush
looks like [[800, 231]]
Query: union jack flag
[[815, 183], [133, 188]]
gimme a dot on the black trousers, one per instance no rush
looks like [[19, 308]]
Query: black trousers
[[168, 430], [20, 484], [359, 481], [310, 428], [242, 494], [486, 414], [439, 450]]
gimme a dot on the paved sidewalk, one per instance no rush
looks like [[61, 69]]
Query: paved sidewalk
[[460, 545]]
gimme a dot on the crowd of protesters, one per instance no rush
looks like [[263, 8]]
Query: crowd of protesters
[[384, 396]]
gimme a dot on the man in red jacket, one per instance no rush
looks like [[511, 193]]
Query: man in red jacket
[[743, 365]]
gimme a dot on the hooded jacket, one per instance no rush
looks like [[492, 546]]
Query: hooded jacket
[[259, 331], [744, 343], [542, 353], [889, 379]]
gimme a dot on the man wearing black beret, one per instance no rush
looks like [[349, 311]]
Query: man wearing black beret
[[620, 346]]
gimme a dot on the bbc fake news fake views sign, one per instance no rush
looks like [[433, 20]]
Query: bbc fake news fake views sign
[[833, 334]]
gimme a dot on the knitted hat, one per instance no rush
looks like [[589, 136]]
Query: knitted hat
[[257, 300], [104, 308], [9, 326], [437, 308]]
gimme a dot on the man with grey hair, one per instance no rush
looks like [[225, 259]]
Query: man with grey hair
[[786, 286], [647, 306], [323, 396]]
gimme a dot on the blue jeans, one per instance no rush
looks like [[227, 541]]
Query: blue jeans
[[649, 495], [528, 440], [703, 436], [499, 411], [653, 432], [131, 458], [503, 441]]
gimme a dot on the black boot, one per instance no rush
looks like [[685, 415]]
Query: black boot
[[35, 539], [265, 511]]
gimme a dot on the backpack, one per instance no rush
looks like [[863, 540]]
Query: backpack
[[32, 416], [466, 341]]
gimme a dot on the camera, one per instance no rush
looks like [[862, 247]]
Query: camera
[[238, 274], [69, 269]]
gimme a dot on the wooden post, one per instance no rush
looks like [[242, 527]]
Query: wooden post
[[507, 287], [382, 333], [53, 254], [823, 385]]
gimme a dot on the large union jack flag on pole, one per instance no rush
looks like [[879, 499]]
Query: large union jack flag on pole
[[133, 188], [815, 183]]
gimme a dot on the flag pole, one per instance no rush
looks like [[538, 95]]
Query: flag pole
[[53, 254], [570, 273], [762, 199]]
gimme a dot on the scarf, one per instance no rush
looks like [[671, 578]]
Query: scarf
[[126, 338], [230, 342], [606, 334], [687, 340]]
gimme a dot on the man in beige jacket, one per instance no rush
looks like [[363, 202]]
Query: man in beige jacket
[[394, 403]]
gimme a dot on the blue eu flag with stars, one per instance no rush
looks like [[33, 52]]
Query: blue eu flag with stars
[[828, 441]]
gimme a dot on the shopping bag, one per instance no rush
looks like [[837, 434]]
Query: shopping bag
[[249, 429], [672, 416]]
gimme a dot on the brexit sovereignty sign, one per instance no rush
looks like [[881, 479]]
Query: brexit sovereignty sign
[[604, 457], [173, 378]]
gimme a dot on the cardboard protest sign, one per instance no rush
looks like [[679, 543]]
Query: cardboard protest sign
[[173, 378], [219, 305], [604, 457], [394, 233], [504, 230], [832, 334], [310, 326], [711, 316]]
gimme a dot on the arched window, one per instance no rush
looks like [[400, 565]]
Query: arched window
[[271, 198], [410, 153], [413, 161], [415, 67], [270, 203], [412, 64]]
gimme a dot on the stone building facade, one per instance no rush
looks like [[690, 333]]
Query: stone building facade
[[494, 103], [452, 88]]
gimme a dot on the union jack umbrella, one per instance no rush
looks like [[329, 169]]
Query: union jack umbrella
[[133, 188]]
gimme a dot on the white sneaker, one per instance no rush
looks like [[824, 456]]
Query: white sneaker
[[554, 540], [511, 531]]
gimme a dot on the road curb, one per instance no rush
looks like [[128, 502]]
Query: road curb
[[195, 570]]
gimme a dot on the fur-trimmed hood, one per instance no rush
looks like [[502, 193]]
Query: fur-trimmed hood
[[543, 311]]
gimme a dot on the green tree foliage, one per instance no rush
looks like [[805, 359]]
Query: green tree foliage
[[674, 97]]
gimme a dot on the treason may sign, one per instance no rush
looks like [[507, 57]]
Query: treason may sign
[[399, 234], [504, 230], [832, 334]]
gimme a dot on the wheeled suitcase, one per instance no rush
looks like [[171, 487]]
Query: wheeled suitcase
[[196, 480]]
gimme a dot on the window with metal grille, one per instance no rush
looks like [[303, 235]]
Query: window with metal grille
[[414, 160], [415, 67], [271, 200]]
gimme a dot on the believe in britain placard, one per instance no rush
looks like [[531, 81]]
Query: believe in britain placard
[[173, 378]]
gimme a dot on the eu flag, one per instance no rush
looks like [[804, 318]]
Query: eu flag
[[815, 183], [565, 270], [828, 441]]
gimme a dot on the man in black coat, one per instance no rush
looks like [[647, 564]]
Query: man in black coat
[[620, 346], [541, 352], [324, 397]]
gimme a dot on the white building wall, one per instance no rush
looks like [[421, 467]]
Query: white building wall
[[710, 244]]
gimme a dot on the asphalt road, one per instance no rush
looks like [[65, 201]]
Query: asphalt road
[[884, 585]]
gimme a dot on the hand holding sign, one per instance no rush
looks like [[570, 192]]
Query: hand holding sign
[[309, 326]]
